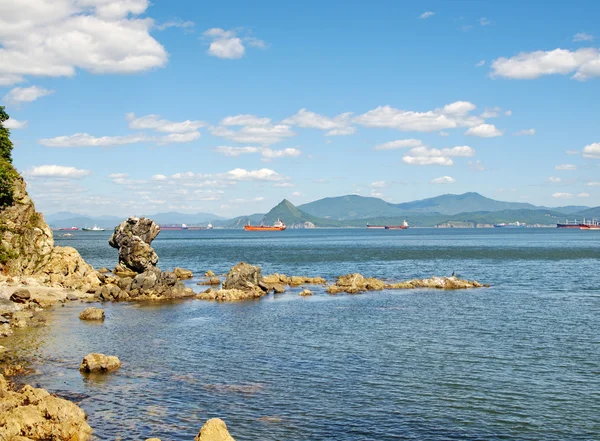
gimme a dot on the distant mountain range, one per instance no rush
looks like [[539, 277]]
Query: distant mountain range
[[356, 211]]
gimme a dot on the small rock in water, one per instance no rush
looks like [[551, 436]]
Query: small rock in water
[[92, 314], [99, 363], [209, 273], [214, 429], [182, 273], [21, 295], [306, 292]]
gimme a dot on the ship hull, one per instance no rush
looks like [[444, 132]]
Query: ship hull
[[251, 228], [375, 227], [568, 226], [396, 227]]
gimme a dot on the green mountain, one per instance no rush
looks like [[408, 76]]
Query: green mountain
[[530, 217], [351, 207], [239, 221], [293, 216], [590, 213]]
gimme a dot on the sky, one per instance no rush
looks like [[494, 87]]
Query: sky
[[128, 107]]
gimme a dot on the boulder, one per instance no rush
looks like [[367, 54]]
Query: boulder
[[350, 283], [144, 228], [209, 273], [104, 270], [305, 292], [210, 281], [278, 288], [122, 271], [230, 295], [133, 238], [21, 295], [34, 414], [214, 429], [99, 363], [244, 277], [182, 273], [92, 314]]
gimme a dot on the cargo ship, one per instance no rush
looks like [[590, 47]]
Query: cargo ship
[[179, 227], [510, 225], [277, 226], [66, 229], [404, 226], [579, 225], [590, 225], [376, 227], [94, 228]]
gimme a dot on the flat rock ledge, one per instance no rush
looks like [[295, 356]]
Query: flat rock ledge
[[356, 283], [92, 314], [99, 363], [34, 414]]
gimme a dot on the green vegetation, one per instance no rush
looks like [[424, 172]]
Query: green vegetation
[[7, 173], [351, 207], [290, 215], [6, 145], [6, 255]]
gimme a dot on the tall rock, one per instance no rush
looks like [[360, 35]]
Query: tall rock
[[133, 238], [27, 247]]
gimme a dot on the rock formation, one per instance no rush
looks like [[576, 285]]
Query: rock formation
[[92, 314], [276, 278], [132, 238], [243, 282], [27, 248], [99, 363], [182, 273], [34, 414], [214, 429], [305, 292]]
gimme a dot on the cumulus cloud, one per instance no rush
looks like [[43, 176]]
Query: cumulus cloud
[[453, 115], [155, 122], [562, 195], [336, 126], [525, 132], [593, 184], [582, 36], [245, 120], [264, 174], [269, 154], [55, 38], [484, 131], [58, 171], [86, 140], [431, 156], [25, 94], [12, 123], [554, 179], [592, 151], [265, 134], [443, 180], [228, 44], [177, 23], [235, 151], [583, 195], [476, 166], [379, 184], [583, 63], [566, 167], [399, 144], [159, 178], [494, 112], [426, 14]]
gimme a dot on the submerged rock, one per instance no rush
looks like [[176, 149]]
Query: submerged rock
[[214, 429], [182, 273], [305, 292], [95, 362], [276, 278], [92, 314], [230, 295], [34, 414]]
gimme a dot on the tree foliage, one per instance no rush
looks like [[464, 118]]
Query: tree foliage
[[6, 145], [7, 181]]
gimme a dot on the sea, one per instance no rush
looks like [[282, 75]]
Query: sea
[[517, 361]]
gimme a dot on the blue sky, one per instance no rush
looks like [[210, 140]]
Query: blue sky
[[130, 107]]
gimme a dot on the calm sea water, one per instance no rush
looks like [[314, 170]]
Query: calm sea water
[[520, 360]]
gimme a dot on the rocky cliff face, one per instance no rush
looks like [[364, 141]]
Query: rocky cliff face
[[27, 247]]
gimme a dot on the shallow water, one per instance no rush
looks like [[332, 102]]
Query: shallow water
[[520, 360]]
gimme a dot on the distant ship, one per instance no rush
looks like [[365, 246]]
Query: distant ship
[[376, 227], [66, 229], [277, 226], [404, 226], [510, 225], [179, 227], [585, 224], [94, 228]]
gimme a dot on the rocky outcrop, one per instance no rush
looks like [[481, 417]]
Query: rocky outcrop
[[28, 250], [276, 278], [132, 238], [182, 273], [34, 414], [21, 295], [210, 281], [244, 277], [230, 295], [99, 363], [356, 283], [92, 314], [214, 429], [305, 292]]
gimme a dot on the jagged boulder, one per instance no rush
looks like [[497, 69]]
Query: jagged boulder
[[92, 314], [182, 273], [97, 363], [243, 277], [214, 429], [34, 414], [132, 238]]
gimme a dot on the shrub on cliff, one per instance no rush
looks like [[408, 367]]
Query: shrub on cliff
[[6, 145], [7, 172]]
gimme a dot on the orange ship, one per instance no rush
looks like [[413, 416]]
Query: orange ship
[[277, 226]]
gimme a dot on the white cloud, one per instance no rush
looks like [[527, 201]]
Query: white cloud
[[592, 151], [283, 184], [443, 180], [379, 184], [562, 195], [525, 132], [245, 120], [235, 151], [154, 122], [336, 126], [176, 138], [582, 36], [583, 195], [178, 23], [480, 63], [399, 144], [228, 45], [508, 113], [86, 140], [584, 62], [58, 171], [264, 174], [248, 201], [431, 156], [10, 79], [553, 179], [476, 166], [450, 116], [296, 194], [159, 178], [593, 184], [266, 153], [426, 14], [269, 154], [25, 94], [55, 38], [375, 194], [572, 152], [484, 21], [265, 134], [12, 123], [566, 167], [484, 131], [494, 112]]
